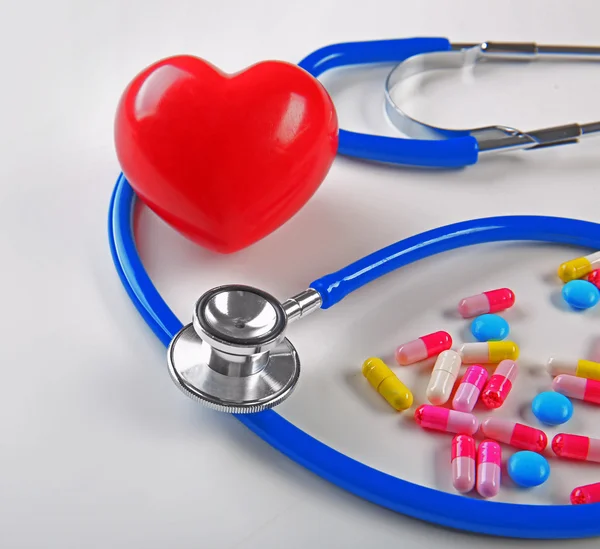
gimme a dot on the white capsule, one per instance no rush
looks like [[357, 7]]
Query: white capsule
[[558, 366], [443, 377]]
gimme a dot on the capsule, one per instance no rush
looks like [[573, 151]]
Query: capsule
[[449, 421], [515, 434], [423, 348], [489, 352], [594, 278], [443, 377], [463, 463], [385, 382], [498, 387], [589, 493], [487, 302], [489, 468], [576, 447], [579, 368], [578, 268], [470, 386], [580, 388]]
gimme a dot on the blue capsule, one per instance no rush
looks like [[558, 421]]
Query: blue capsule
[[489, 328], [580, 294], [528, 469], [552, 408]]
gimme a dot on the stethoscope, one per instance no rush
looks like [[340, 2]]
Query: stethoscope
[[427, 145], [234, 356]]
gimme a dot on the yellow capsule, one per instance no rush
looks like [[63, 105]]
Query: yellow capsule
[[387, 384], [588, 369], [488, 352], [578, 268], [578, 368], [503, 350]]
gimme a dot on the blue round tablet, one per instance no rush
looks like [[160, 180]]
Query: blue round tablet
[[489, 328], [528, 469], [580, 294], [552, 408]]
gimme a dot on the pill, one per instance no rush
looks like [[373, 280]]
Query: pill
[[594, 278], [590, 493], [443, 377], [387, 384], [579, 368], [515, 434], [469, 389], [423, 348], [578, 268], [580, 294], [449, 421], [576, 447], [580, 388], [490, 352], [489, 462], [500, 384], [463, 463], [528, 469], [552, 408], [493, 301], [489, 328]]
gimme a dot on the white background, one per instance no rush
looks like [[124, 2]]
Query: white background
[[97, 446]]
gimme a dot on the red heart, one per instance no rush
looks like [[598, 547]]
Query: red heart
[[225, 159]]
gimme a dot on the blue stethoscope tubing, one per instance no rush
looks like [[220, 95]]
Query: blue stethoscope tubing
[[455, 152], [450, 510]]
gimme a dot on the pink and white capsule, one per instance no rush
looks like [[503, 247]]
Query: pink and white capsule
[[448, 421], [580, 388], [486, 302], [463, 463], [425, 347], [500, 384], [469, 389], [489, 463], [443, 377]]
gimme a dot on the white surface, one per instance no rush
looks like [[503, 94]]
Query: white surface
[[97, 447]]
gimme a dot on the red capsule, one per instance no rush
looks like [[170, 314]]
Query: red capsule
[[576, 447], [515, 434], [486, 302], [580, 388], [594, 278], [422, 348], [586, 494], [500, 384], [442, 419], [463, 463]]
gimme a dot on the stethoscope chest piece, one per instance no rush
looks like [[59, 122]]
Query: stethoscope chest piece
[[233, 356]]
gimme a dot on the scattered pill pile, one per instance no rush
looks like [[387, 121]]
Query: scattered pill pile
[[491, 372]]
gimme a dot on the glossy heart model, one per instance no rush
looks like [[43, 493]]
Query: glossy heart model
[[225, 159]]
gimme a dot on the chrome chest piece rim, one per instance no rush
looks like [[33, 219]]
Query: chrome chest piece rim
[[233, 356]]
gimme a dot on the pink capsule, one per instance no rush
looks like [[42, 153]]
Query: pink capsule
[[425, 347], [463, 463], [489, 468], [580, 388], [487, 302], [470, 386], [576, 447], [449, 421], [498, 387], [515, 434]]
